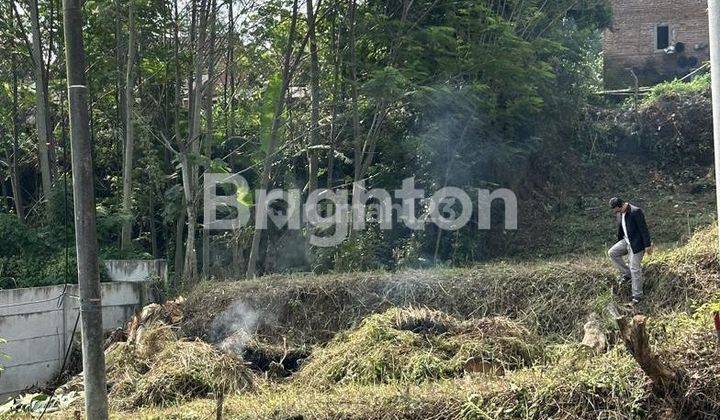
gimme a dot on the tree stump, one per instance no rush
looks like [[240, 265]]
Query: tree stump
[[594, 338], [635, 337]]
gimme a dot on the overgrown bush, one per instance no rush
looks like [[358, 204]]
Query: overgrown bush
[[672, 125], [19, 239], [30, 262]]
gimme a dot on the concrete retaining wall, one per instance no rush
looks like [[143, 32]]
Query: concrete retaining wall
[[37, 325], [136, 270]]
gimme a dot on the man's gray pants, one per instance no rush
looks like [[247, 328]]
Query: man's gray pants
[[616, 253]]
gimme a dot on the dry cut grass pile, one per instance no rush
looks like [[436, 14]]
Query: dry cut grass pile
[[180, 371], [414, 345], [154, 366]]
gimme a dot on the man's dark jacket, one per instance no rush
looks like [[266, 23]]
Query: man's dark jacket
[[637, 229]]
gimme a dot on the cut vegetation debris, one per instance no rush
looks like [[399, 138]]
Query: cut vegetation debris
[[450, 352], [552, 298], [181, 371], [567, 383], [156, 367], [417, 345]]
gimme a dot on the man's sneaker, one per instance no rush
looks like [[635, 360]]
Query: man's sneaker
[[635, 300]]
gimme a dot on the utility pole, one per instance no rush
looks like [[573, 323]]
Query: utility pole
[[96, 406], [714, 25]]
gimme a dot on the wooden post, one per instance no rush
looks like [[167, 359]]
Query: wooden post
[[219, 405]]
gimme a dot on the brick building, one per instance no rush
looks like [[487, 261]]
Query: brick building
[[657, 39]]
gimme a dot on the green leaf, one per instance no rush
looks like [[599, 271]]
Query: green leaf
[[244, 196]]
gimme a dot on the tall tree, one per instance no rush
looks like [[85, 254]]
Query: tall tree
[[42, 117], [127, 224], [230, 72], [314, 134], [182, 214], [337, 63], [14, 172], [289, 64], [189, 165], [357, 142], [119, 80], [207, 147]]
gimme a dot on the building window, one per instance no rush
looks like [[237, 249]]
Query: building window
[[662, 37]]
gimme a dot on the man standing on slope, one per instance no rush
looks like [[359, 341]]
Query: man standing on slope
[[633, 239]]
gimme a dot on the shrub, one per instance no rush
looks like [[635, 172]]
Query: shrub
[[18, 238]]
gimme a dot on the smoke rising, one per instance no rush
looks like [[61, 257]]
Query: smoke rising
[[235, 327]]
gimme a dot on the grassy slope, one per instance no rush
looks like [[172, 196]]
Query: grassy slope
[[675, 206], [553, 297], [566, 382]]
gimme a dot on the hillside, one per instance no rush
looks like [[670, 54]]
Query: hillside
[[552, 300], [187, 133], [531, 336], [499, 340]]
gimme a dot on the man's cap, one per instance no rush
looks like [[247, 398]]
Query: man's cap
[[616, 202]]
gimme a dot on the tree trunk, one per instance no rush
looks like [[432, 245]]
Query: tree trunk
[[96, 406], [230, 67], [636, 340], [190, 272], [274, 131], [190, 169], [151, 222], [179, 229], [238, 258], [186, 210], [126, 233], [41, 101], [207, 145], [337, 62], [314, 101], [14, 174], [119, 82], [357, 142], [354, 99]]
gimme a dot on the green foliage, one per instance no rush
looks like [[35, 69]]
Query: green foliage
[[270, 96], [676, 88], [48, 270], [18, 239], [59, 229], [364, 250], [387, 84], [674, 123], [61, 268]]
